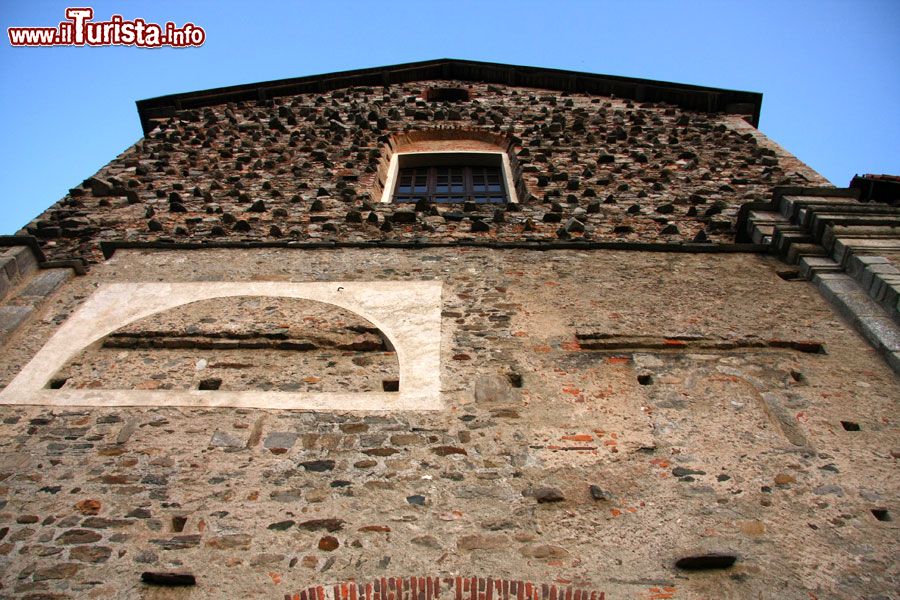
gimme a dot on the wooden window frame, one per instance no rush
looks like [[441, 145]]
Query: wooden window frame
[[469, 193], [452, 158]]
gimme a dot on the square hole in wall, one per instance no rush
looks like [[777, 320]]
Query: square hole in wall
[[447, 94], [882, 514]]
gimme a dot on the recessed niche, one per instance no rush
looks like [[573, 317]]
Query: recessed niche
[[850, 426], [791, 275], [703, 562], [882, 514], [213, 383], [515, 379], [178, 523], [446, 94], [797, 376], [57, 383]]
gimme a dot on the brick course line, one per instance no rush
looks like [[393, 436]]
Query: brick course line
[[428, 588]]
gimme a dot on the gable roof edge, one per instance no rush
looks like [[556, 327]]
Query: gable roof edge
[[690, 97]]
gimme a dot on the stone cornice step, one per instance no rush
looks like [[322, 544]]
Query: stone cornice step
[[838, 243]]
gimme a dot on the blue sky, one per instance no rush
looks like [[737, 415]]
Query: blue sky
[[828, 70]]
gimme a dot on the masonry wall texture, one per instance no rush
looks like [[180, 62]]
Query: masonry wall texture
[[304, 168], [618, 422]]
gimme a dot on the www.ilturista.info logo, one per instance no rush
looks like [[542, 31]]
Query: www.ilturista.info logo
[[80, 30]]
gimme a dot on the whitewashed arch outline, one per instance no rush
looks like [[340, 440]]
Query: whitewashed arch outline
[[408, 313]]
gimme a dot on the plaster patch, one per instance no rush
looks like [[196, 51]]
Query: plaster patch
[[408, 313]]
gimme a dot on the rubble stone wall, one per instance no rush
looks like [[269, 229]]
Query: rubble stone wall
[[607, 413], [308, 168]]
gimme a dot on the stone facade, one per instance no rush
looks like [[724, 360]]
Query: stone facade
[[307, 168], [630, 403]]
